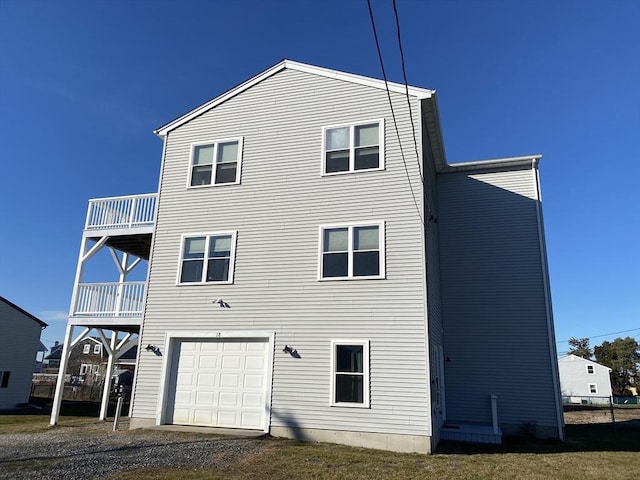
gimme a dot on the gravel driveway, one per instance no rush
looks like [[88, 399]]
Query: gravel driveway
[[93, 451]]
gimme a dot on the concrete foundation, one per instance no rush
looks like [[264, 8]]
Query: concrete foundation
[[380, 441]]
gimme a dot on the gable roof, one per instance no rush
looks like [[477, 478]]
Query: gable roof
[[301, 67], [24, 312], [572, 358]]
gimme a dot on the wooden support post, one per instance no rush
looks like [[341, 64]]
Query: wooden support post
[[107, 376], [62, 369]]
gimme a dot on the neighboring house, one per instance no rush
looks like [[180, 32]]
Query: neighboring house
[[584, 381], [19, 346], [88, 361], [311, 279]]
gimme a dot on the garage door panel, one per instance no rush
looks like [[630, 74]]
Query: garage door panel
[[219, 383], [207, 380], [254, 362], [208, 361], [252, 419], [252, 400]]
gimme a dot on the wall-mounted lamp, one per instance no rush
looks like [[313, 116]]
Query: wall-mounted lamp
[[221, 303], [153, 348], [291, 351]]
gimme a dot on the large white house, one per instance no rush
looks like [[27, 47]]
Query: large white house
[[583, 380], [19, 344], [318, 270]]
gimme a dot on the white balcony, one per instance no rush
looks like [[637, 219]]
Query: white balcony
[[132, 212], [109, 300]]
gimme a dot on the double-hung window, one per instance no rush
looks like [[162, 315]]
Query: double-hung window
[[352, 251], [96, 348], [207, 258], [216, 163], [350, 373], [590, 370], [593, 388], [87, 348], [355, 147]]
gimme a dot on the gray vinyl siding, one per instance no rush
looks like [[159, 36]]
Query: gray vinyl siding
[[19, 341], [493, 299], [277, 210], [575, 380]]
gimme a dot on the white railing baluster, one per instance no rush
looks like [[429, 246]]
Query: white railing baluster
[[101, 299], [121, 212]]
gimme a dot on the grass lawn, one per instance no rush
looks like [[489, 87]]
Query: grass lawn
[[589, 452]]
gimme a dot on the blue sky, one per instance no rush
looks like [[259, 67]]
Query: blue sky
[[83, 84]]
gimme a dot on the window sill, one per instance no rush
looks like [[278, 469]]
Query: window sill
[[347, 172], [341, 279], [186, 284], [350, 405], [198, 187]]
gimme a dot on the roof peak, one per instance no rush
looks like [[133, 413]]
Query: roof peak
[[285, 64]]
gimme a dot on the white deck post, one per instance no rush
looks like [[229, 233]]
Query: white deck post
[[107, 377], [62, 369], [494, 413]]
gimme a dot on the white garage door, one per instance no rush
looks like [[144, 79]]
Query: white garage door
[[219, 383]]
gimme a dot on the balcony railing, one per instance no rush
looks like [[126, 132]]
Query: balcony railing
[[121, 212], [110, 299]]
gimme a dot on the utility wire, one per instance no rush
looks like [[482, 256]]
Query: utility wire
[[602, 335], [393, 115], [406, 86]]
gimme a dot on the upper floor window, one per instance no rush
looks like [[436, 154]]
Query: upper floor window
[[216, 163], [354, 251], [590, 370], [207, 258], [350, 373], [86, 348], [350, 148], [96, 348]]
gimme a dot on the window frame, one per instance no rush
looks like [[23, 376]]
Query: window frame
[[366, 374], [232, 257], [86, 349], [591, 370], [595, 388], [381, 224], [97, 348], [5, 375], [215, 143], [352, 126]]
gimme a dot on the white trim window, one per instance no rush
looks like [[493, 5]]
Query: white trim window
[[350, 373], [352, 251], [96, 348], [207, 258], [353, 147], [593, 388], [591, 370], [215, 163], [87, 348]]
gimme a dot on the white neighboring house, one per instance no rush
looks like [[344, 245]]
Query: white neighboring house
[[583, 380], [19, 345], [309, 278]]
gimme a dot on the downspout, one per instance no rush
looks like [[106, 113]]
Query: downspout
[[547, 297]]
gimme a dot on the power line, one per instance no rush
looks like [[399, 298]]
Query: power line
[[393, 115], [406, 86], [603, 335]]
